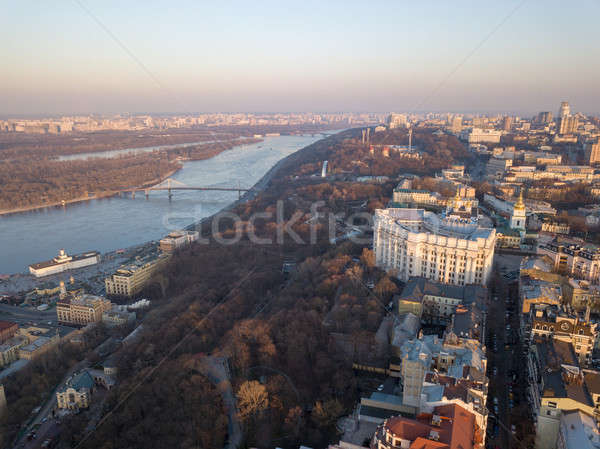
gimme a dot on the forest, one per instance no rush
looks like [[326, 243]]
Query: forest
[[30, 181], [290, 338]]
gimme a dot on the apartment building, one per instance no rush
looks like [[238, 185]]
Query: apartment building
[[414, 242], [573, 259], [447, 427], [412, 196], [7, 330], [130, 279], [555, 322], [81, 310]]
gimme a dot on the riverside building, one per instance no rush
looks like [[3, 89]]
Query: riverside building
[[64, 262]]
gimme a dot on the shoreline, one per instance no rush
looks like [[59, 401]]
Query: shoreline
[[254, 190], [110, 194]]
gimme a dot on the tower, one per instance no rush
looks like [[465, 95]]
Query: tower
[[518, 217], [564, 109]]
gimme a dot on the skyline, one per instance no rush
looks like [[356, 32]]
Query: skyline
[[107, 58]]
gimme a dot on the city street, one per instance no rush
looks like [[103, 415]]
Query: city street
[[510, 420]]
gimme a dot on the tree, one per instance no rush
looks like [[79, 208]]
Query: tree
[[325, 414], [252, 398]]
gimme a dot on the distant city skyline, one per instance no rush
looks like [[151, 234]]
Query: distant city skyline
[[510, 57]]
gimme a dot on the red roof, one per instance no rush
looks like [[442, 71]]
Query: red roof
[[6, 325], [456, 431]]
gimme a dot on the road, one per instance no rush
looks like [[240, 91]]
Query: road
[[217, 370], [506, 366], [26, 314]]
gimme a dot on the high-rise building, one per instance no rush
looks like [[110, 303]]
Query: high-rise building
[[396, 120], [567, 124], [415, 242], [564, 109], [544, 117], [592, 151], [507, 123], [456, 124]]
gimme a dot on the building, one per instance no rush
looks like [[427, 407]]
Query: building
[[9, 350], [64, 262], [177, 239], [118, 316], [81, 310], [397, 121], [7, 330], [555, 322], [435, 302], [580, 293], [129, 280], [544, 117], [76, 393], [573, 259], [414, 242], [518, 216], [38, 347], [497, 167], [412, 196], [567, 124], [478, 135], [578, 431], [537, 291], [592, 151], [564, 110], [558, 385], [448, 427], [555, 227]]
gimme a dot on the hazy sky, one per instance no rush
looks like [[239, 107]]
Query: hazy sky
[[264, 56]]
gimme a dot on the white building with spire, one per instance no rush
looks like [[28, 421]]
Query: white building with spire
[[518, 216]]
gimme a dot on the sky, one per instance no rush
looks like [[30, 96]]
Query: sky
[[105, 56]]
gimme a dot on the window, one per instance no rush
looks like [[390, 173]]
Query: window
[[551, 405]]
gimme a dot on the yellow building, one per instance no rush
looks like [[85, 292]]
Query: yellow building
[[76, 393], [82, 310], [129, 280]]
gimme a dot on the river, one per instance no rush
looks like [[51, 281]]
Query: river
[[118, 222]]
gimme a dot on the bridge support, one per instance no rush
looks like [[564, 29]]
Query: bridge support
[[147, 192], [133, 194], [170, 194]]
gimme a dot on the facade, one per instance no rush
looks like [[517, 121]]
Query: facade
[[76, 393], [478, 135], [592, 152], [581, 334], [414, 242], [448, 427], [9, 350], [435, 302], [177, 239], [497, 167], [567, 124], [82, 310], [558, 385], [555, 227], [573, 260], [129, 280], [64, 262], [7, 330], [38, 347], [411, 196]]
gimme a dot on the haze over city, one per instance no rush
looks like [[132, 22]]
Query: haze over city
[[299, 224], [467, 56]]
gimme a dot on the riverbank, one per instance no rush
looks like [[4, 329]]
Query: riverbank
[[107, 194]]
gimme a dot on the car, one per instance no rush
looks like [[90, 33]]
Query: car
[[495, 371], [496, 409], [495, 400], [380, 387], [513, 429]]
